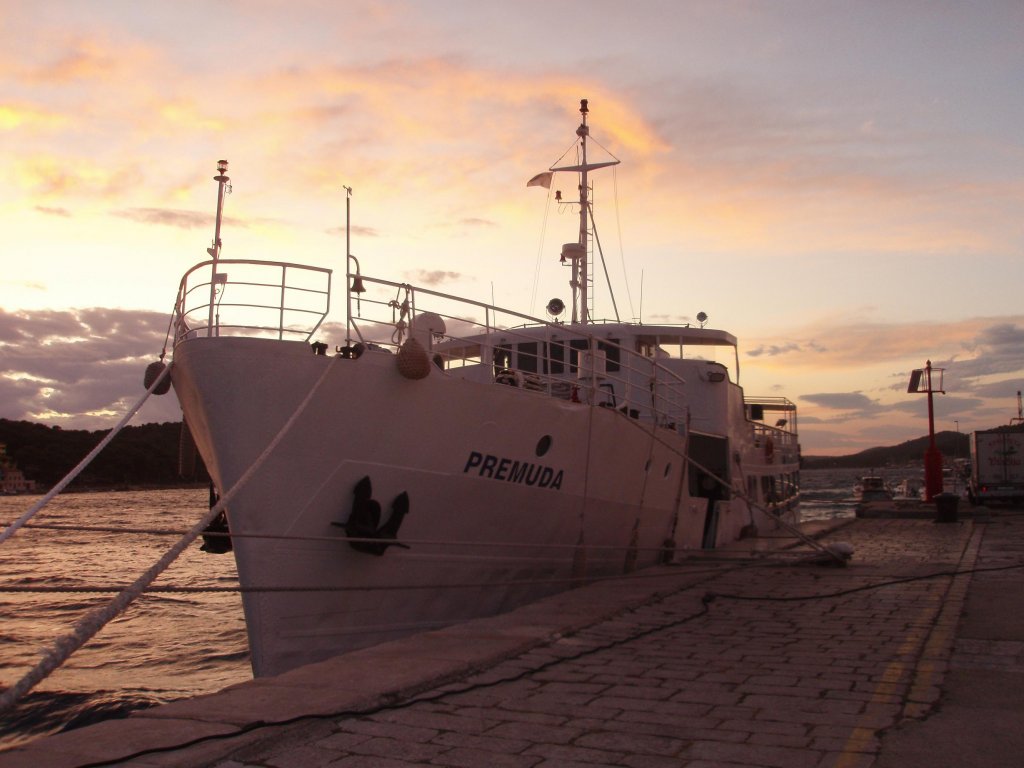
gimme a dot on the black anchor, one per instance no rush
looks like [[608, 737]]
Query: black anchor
[[364, 520]]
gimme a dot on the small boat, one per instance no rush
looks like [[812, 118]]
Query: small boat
[[454, 459], [909, 488], [872, 488]]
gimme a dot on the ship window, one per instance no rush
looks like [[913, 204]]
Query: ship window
[[575, 347], [526, 359], [543, 445], [611, 354], [556, 351]]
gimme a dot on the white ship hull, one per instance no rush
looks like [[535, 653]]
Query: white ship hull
[[602, 500]]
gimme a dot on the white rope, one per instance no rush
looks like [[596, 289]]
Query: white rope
[[98, 618], [13, 527], [751, 504]]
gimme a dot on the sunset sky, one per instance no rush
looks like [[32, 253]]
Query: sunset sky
[[839, 184]]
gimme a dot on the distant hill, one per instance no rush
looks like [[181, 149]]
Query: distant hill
[[950, 444], [146, 455]]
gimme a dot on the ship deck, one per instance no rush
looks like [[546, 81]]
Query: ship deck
[[740, 658]]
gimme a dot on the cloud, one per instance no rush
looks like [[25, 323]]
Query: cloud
[[52, 211], [79, 368], [435, 276], [170, 218], [360, 231], [772, 350], [75, 60], [856, 402], [49, 175], [28, 116]]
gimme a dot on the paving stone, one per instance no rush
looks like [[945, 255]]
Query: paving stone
[[411, 751], [563, 754], [535, 733], [475, 758], [753, 754], [632, 743]]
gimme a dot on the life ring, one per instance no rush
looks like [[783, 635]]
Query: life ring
[[769, 450]]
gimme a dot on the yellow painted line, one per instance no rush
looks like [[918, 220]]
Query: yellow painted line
[[924, 671]]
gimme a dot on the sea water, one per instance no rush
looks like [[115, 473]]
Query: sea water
[[167, 645]]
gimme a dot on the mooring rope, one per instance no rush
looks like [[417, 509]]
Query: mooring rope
[[790, 527], [86, 627], [13, 527]]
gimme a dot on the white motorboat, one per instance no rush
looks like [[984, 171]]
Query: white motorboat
[[453, 459]]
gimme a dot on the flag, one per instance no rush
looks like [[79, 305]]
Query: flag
[[541, 180]]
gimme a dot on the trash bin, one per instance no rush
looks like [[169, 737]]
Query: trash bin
[[945, 507]]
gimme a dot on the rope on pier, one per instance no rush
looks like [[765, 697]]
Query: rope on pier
[[98, 618], [13, 527], [811, 542]]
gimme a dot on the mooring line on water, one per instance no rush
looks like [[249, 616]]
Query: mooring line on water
[[13, 527], [170, 588], [95, 620], [453, 543]]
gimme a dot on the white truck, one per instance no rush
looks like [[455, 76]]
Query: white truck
[[997, 465]]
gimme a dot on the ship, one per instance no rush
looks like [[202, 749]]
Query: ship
[[449, 459]]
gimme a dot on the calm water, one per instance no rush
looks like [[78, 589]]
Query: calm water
[[166, 646]]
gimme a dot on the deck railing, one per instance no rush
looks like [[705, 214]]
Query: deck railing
[[245, 297], [483, 342]]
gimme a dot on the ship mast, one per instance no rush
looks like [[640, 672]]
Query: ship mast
[[579, 253], [583, 131], [222, 180]]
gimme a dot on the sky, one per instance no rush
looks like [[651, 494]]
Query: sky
[[840, 185]]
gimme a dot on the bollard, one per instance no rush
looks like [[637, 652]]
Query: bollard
[[946, 507]]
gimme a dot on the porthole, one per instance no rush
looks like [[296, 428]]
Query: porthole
[[543, 445], [668, 468]]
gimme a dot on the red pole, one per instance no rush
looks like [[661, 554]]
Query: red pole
[[932, 456]]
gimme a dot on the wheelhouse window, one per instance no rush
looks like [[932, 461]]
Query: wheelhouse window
[[556, 353], [575, 347], [526, 358], [611, 353]]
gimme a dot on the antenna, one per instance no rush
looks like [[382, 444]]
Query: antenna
[[222, 180]]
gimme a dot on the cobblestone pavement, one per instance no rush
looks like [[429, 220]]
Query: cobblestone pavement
[[762, 665]]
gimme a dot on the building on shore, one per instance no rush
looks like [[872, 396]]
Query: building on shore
[[12, 479]]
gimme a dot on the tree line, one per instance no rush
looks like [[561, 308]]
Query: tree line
[[144, 455]]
